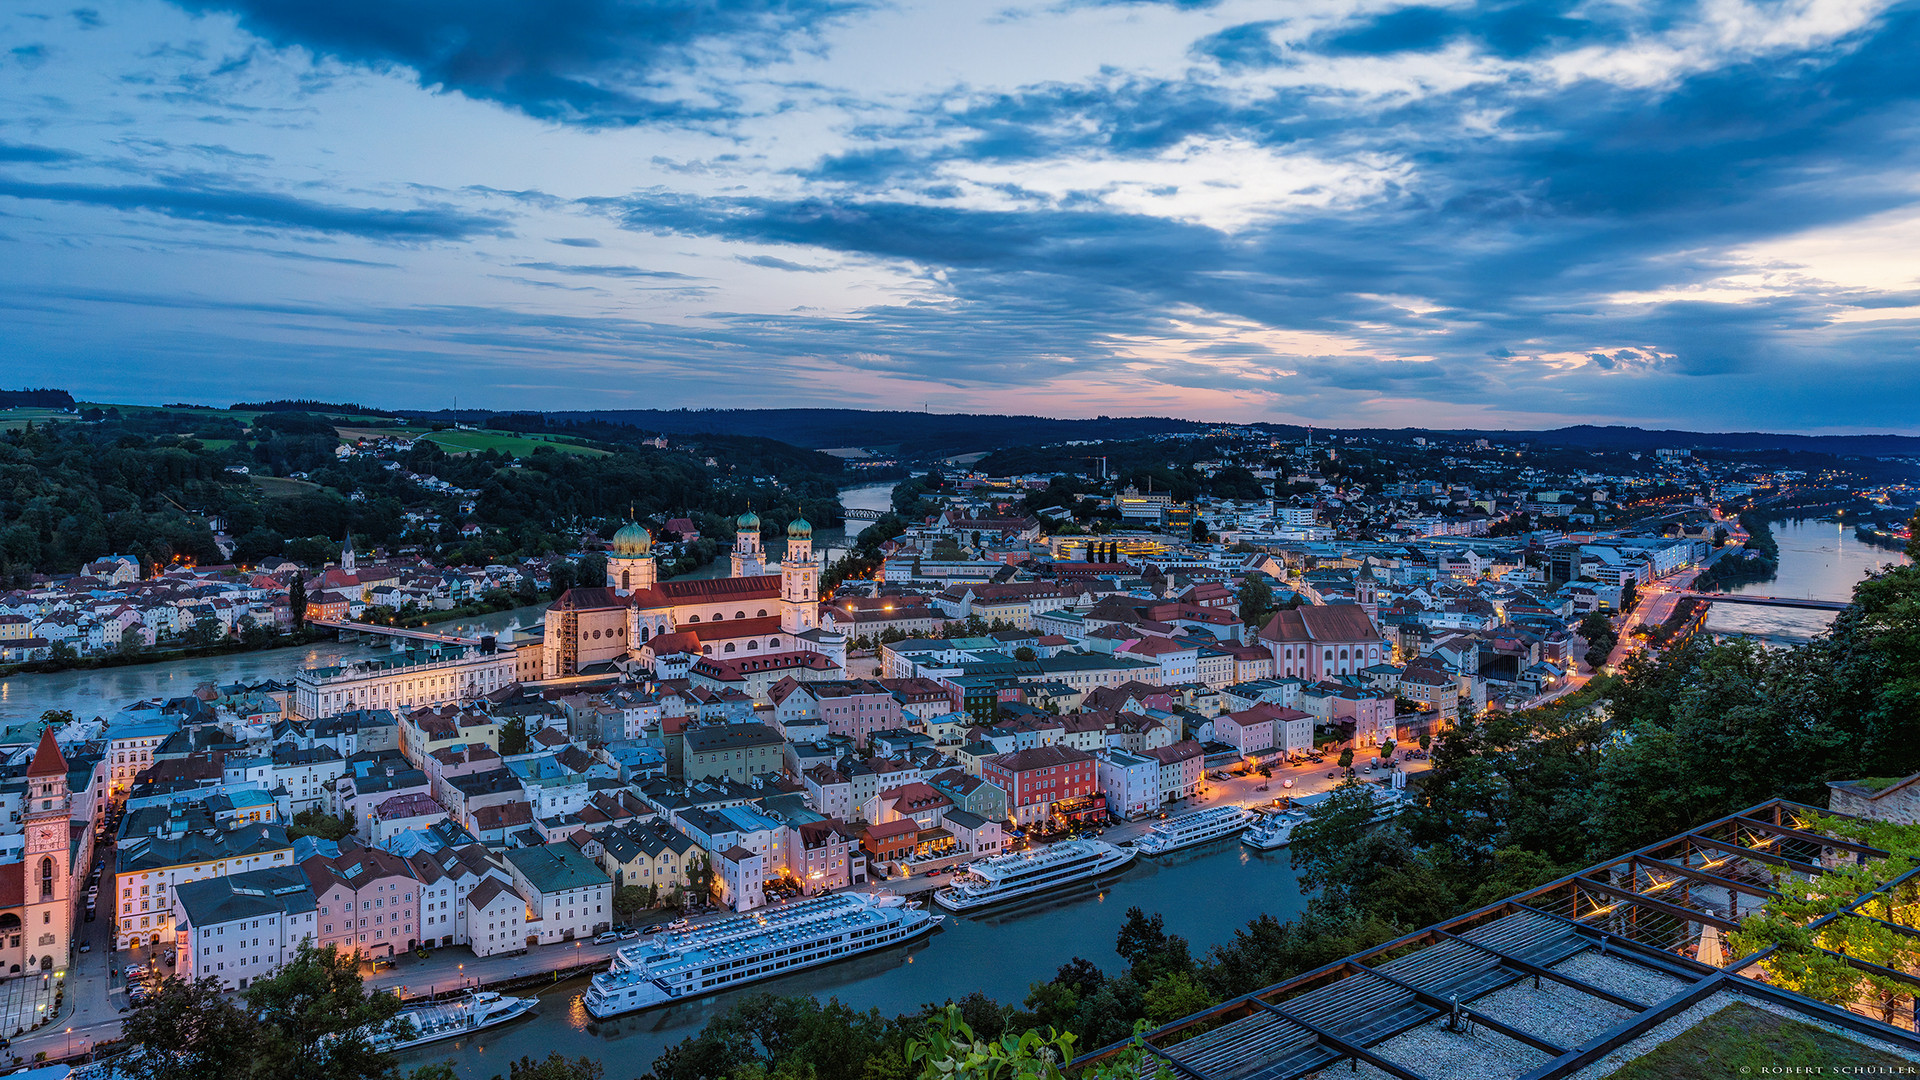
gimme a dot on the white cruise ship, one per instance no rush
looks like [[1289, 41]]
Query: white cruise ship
[[1210, 824], [747, 948], [1271, 832], [1008, 877], [450, 1019]]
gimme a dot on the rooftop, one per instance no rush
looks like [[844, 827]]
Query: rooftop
[[1580, 974]]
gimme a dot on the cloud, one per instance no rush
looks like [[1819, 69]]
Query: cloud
[[597, 62], [17, 152], [578, 241], [258, 208], [773, 263], [604, 271]]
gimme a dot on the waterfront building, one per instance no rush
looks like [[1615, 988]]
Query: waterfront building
[[1131, 782], [1182, 764], [432, 676], [497, 917], [244, 927], [825, 855], [567, 895], [447, 878], [646, 854], [368, 899], [1036, 779]]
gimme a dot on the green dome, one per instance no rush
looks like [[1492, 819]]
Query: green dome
[[631, 541], [749, 520], [799, 529]]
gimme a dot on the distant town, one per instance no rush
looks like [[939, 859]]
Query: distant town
[[1009, 654]]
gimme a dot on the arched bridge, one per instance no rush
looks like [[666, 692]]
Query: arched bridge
[[392, 631], [862, 515]]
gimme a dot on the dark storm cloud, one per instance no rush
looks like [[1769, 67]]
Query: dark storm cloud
[[587, 61], [258, 208]]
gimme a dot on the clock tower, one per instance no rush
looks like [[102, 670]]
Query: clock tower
[[46, 901]]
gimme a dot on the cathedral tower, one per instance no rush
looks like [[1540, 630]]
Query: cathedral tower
[[799, 581], [748, 561], [630, 566]]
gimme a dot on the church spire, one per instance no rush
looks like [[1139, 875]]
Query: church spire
[[47, 758]]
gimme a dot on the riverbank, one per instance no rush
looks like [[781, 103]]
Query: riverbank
[[163, 656]]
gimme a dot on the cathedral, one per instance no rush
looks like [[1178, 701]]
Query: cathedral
[[635, 618], [36, 893]]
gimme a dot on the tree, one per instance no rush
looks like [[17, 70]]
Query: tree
[[297, 601], [1720, 536], [629, 903], [555, 1067], [1143, 942], [187, 1031], [1256, 601], [1346, 758], [132, 642], [1200, 534], [513, 736], [1913, 537], [312, 822], [57, 718], [316, 1024], [1023, 654]]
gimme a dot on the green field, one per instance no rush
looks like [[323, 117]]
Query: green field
[[506, 442], [16, 419], [279, 487]]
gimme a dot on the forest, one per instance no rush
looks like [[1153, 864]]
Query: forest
[[149, 482]]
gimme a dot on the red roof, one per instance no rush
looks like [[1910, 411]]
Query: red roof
[[47, 759]]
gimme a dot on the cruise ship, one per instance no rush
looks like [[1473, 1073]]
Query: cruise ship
[[759, 945], [1271, 832], [1184, 832], [450, 1019], [1009, 877]]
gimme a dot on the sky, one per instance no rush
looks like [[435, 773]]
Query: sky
[[1343, 212]]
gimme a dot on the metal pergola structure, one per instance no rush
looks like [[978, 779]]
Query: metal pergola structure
[[1646, 910]]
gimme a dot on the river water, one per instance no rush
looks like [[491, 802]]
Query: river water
[[1205, 893], [1820, 560], [101, 692]]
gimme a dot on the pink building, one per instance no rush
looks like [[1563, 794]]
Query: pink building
[[1323, 641], [367, 900]]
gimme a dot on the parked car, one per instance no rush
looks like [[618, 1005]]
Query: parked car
[[607, 938], [629, 934], [135, 971], [652, 930], [86, 946], [170, 957]]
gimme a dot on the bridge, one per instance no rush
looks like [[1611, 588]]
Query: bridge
[[346, 627], [862, 515], [1769, 601]]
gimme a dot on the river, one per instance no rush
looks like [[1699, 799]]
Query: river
[[1821, 560], [102, 691], [1205, 893]]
